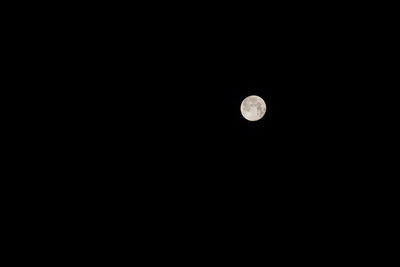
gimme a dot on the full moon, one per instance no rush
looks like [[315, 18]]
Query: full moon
[[253, 108]]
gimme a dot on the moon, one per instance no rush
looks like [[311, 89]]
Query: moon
[[253, 108]]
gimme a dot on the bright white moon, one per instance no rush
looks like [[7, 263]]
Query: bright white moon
[[253, 108]]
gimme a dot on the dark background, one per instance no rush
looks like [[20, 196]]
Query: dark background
[[174, 126], [152, 103], [164, 100], [160, 140], [143, 123]]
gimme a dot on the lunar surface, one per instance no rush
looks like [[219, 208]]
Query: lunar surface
[[253, 108]]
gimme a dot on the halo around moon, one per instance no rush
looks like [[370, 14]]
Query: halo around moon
[[253, 108]]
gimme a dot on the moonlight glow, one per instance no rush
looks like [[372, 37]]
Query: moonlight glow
[[253, 108]]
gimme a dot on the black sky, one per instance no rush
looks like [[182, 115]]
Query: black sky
[[152, 97], [147, 119]]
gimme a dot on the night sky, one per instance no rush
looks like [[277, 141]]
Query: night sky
[[177, 118], [181, 116], [158, 107], [150, 129]]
